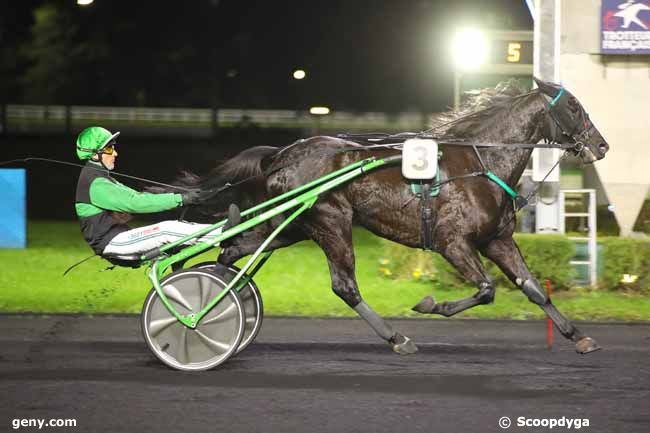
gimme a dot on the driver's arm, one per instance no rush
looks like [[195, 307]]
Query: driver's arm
[[117, 197]]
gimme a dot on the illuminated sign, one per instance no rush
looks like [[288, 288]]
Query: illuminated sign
[[510, 53], [625, 27]]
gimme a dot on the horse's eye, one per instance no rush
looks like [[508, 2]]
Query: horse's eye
[[573, 104]]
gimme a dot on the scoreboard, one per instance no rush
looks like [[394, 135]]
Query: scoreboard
[[509, 53]]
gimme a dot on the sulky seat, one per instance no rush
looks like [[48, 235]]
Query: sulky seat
[[124, 260]]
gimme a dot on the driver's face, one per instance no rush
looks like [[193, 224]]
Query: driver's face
[[109, 160]]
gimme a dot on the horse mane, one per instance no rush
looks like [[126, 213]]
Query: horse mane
[[482, 107]]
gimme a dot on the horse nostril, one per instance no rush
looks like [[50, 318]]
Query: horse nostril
[[603, 148]]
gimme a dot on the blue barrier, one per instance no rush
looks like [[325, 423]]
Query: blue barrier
[[13, 218]]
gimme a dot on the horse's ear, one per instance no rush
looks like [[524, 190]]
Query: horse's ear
[[546, 88]]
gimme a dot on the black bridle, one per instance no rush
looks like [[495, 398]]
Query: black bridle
[[564, 126]]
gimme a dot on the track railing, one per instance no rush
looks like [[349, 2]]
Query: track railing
[[59, 118]]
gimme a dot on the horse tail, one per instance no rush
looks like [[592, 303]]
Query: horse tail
[[238, 180], [246, 165]]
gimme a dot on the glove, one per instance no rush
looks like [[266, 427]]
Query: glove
[[191, 197]]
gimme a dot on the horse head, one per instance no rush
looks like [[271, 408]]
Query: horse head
[[569, 123]]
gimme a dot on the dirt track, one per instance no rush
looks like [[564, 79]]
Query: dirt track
[[309, 375]]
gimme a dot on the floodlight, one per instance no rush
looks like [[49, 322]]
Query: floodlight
[[299, 74], [84, 2], [319, 110], [470, 49]]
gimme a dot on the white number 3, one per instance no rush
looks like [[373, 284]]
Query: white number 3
[[420, 159]]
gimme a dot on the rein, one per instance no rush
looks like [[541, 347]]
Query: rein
[[394, 142], [398, 139], [382, 141], [74, 164]]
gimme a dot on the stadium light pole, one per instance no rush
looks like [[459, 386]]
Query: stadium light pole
[[469, 51], [458, 76]]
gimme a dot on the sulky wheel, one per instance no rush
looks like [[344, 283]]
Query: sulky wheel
[[216, 337], [250, 296]]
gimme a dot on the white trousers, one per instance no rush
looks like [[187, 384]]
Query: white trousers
[[147, 238]]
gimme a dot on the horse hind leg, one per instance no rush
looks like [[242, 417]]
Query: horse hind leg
[[249, 241], [505, 254], [463, 256], [333, 233]]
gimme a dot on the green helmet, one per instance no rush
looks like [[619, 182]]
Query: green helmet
[[93, 139]]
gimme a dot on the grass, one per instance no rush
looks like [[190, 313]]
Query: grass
[[294, 282]]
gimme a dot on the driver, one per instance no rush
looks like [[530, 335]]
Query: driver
[[104, 205]]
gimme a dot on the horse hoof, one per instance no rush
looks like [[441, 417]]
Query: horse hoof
[[587, 345], [425, 306], [403, 345]]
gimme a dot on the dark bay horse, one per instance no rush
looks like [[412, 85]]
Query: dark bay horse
[[472, 215]]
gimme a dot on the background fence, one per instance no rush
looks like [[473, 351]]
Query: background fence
[[202, 122]]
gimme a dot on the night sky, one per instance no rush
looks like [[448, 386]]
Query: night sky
[[371, 55]]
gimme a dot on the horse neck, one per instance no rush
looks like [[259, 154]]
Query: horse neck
[[521, 123]]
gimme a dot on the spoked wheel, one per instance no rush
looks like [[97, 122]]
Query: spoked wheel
[[250, 296], [216, 337]]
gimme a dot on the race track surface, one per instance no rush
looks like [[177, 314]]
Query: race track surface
[[334, 376]]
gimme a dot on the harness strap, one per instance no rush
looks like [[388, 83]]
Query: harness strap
[[494, 178], [427, 217], [557, 97]]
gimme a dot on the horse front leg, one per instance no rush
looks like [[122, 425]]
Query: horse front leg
[[505, 253], [462, 256]]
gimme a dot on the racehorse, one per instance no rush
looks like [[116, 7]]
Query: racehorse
[[472, 215]]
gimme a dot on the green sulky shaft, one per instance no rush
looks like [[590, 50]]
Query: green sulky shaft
[[307, 195]]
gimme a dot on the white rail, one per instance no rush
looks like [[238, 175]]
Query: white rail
[[27, 117], [592, 262]]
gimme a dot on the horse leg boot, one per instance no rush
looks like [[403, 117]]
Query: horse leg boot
[[400, 344], [505, 254], [345, 286], [536, 295], [464, 258]]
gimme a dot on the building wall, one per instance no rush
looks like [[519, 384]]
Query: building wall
[[615, 90]]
